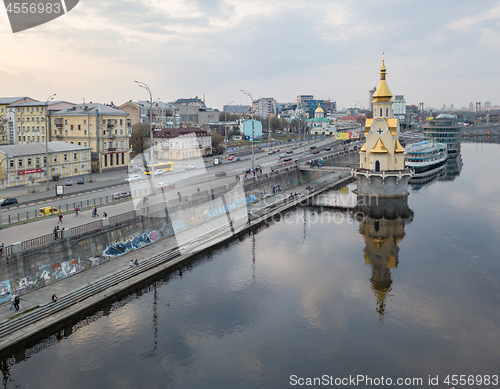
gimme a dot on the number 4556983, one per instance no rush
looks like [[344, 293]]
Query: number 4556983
[[471, 380], [33, 8]]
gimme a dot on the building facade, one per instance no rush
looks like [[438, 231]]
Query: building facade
[[102, 128], [162, 115], [264, 107], [246, 129], [25, 164], [237, 109], [399, 107], [8, 118], [181, 143]]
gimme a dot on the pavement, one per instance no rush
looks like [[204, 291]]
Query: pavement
[[40, 299]]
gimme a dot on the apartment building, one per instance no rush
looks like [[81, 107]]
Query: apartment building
[[163, 115], [7, 118], [182, 143], [102, 128]]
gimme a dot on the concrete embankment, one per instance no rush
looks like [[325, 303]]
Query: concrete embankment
[[86, 288]]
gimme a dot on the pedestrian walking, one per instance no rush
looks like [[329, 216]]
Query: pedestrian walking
[[60, 218], [76, 211], [104, 215], [17, 302], [131, 263], [249, 218], [136, 263], [12, 298], [93, 211], [1, 249], [55, 233], [198, 190], [54, 298]]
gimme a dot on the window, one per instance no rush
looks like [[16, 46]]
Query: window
[[84, 121], [387, 112], [43, 128], [79, 127], [29, 161], [121, 131], [79, 143], [116, 132], [105, 145], [75, 156], [381, 111], [76, 168], [104, 132], [37, 161], [84, 155], [11, 163], [65, 132], [71, 127], [65, 122], [103, 122], [84, 132], [121, 122], [65, 157], [105, 160], [55, 158], [116, 121], [111, 159], [20, 162], [85, 144], [121, 144], [117, 159], [123, 158]]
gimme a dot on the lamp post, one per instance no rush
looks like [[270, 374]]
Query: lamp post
[[225, 129], [152, 152], [253, 151], [47, 171]]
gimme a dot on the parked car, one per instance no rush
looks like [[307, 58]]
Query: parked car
[[328, 148], [271, 152], [69, 182], [80, 181], [287, 159], [315, 152], [231, 157], [134, 177], [236, 159], [165, 186], [220, 174], [48, 211], [289, 151], [191, 167], [8, 202], [312, 147]]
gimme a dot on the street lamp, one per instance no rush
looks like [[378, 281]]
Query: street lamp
[[50, 98], [225, 128], [253, 151], [152, 152]]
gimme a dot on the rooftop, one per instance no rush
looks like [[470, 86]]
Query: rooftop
[[39, 148], [85, 109]]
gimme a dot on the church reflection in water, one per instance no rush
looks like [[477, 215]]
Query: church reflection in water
[[382, 224]]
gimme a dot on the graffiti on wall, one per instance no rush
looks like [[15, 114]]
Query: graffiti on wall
[[4, 291], [120, 248], [223, 209], [50, 273], [270, 191]]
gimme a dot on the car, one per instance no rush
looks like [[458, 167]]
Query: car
[[191, 167], [48, 211], [312, 147], [231, 157], [287, 159], [69, 182], [165, 186], [133, 177], [159, 172], [328, 148], [122, 195], [236, 159], [315, 152], [80, 181], [289, 152], [271, 152], [8, 202], [220, 174]]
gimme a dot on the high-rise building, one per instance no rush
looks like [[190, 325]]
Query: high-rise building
[[399, 107]]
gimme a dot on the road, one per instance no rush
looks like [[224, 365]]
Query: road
[[186, 182]]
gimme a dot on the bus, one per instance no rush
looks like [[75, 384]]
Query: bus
[[165, 166]]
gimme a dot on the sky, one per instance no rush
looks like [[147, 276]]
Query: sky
[[436, 52]]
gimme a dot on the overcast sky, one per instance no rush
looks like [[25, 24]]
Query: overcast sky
[[436, 52]]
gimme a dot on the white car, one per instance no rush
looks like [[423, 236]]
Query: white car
[[159, 172], [134, 177], [191, 167]]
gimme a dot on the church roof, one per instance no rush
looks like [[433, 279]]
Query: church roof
[[379, 148], [398, 149], [319, 109], [382, 93]]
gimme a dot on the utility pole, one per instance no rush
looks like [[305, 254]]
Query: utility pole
[[152, 151], [225, 129], [253, 151]]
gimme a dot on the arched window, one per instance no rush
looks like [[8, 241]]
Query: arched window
[[381, 112], [377, 166], [387, 112]]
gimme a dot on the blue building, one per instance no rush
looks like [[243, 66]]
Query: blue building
[[246, 129]]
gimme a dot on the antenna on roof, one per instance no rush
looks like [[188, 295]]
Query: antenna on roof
[[83, 100]]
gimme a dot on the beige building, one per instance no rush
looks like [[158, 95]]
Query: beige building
[[27, 163], [181, 143], [162, 116], [102, 128], [30, 119], [7, 118]]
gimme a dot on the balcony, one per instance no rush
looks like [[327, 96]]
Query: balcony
[[110, 125], [59, 137], [59, 125]]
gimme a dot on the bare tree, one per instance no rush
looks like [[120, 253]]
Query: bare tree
[[140, 137]]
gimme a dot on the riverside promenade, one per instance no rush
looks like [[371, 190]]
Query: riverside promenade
[[85, 289]]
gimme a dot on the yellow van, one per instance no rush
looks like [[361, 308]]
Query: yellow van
[[48, 211]]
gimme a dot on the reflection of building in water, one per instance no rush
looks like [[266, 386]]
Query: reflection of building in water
[[453, 166], [382, 224]]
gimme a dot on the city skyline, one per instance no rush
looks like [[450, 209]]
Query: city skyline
[[439, 55]]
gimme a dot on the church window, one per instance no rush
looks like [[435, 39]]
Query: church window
[[387, 112], [381, 111]]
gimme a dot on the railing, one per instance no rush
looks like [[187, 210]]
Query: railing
[[39, 241], [85, 227], [121, 217]]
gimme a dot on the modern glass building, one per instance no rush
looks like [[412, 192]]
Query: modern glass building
[[444, 129]]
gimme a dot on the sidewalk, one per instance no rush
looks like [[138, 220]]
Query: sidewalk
[[39, 298]]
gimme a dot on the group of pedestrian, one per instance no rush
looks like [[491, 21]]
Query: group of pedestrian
[[145, 200], [15, 301], [94, 211], [309, 188], [56, 232], [293, 196], [134, 264]]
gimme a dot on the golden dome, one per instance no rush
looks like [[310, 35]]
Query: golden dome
[[398, 149], [379, 148], [382, 93], [319, 109]]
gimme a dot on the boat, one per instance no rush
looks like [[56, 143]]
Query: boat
[[428, 159]]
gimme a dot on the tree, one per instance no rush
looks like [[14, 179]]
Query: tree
[[275, 124], [139, 139]]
